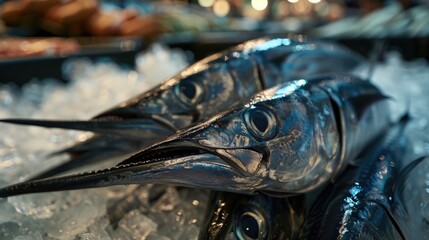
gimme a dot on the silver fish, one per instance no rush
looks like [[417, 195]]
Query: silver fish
[[368, 202], [238, 216], [289, 139], [207, 87]]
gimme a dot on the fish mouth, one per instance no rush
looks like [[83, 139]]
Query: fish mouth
[[190, 164], [182, 152], [183, 163]]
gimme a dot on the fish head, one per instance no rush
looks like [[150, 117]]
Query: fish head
[[226, 79], [213, 84], [239, 216], [264, 145], [192, 95], [280, 142]]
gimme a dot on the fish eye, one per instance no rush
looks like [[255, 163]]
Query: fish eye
[[261, 123], [250, 225], [189, 92]]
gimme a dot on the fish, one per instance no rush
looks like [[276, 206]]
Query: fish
[[368, 200], [239, 216], [205, 88], [286, 140]]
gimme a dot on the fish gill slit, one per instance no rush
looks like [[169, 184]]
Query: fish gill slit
[[337, 116], [260, 76]]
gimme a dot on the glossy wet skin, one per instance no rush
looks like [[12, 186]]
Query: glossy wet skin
[[368, 202], [213, 84], [207, 87], [231, 77], [285, 140]]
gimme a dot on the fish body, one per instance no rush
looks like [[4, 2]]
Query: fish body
[[213, 84], [238, 216], [207, 87], [286, 140], [366, 202]]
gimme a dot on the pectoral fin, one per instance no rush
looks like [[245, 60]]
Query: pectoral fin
[[364, 101]]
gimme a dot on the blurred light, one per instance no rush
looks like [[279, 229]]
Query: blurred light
[[293, 1], [283, 8], [249, 12], [259, 5], [221, 8], [322, 9], [336, 12], [206, 3], [314, 1], [301, 8]]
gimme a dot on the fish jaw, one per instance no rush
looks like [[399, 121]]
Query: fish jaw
[[193, 168], [189, 163]]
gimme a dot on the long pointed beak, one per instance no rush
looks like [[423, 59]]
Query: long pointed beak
[[130, 128], [182, 163]]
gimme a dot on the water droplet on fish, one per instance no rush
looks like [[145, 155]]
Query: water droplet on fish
[[187, 165], [326, 111]]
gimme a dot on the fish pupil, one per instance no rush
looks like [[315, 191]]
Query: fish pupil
[[260, 121], [249, 226], [188, 90]]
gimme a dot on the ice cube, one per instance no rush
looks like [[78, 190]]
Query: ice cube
[[156, 236], [39, 206], [164, 200], [72, 221], [153, 72], [137, 224], [35, 236], [9, 230]]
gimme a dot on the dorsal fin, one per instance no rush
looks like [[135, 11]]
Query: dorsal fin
[[398, 192], [400, 183], [362, 102], [387, 209]]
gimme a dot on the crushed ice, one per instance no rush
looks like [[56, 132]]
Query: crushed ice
[[147, 211]]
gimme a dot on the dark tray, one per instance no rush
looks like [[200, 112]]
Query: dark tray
[[120, 50]]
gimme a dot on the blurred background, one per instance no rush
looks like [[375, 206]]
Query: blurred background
[[72, 59], [45, 32]]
